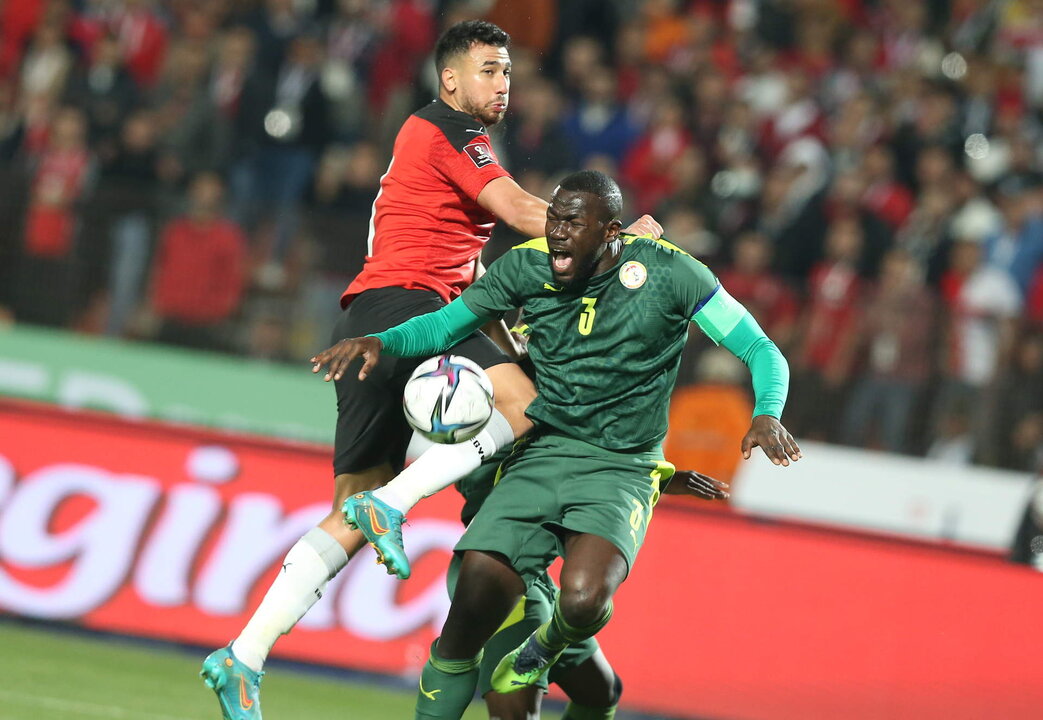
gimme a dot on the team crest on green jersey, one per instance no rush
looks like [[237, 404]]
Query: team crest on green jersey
[[633, 274]]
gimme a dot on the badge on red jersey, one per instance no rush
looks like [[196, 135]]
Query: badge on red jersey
[[480, 154]]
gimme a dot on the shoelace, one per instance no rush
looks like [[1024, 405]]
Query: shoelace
[[531, 657]]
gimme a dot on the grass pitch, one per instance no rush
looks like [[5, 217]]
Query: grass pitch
[[63, 675]]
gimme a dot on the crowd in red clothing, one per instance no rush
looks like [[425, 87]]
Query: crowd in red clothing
[[865, 175]]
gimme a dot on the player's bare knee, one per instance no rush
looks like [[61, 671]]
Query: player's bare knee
[[583, 603]]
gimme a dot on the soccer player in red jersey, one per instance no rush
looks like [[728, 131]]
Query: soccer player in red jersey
[[438, 201]]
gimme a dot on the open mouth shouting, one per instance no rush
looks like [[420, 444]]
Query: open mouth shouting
[[560, 261]]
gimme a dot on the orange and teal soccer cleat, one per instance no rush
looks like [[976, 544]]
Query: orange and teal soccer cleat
[[238, 688], [382, 526], [523, 667]]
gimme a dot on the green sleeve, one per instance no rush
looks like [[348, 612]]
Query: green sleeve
[[693, 283], [498, 291], [727, 323], [432, 333], [767, 365]]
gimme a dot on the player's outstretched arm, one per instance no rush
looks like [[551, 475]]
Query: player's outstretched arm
[[420, 336], [729, 324], [690, 482]]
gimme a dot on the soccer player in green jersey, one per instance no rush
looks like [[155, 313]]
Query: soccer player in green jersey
[[608, 317], [583, 672]]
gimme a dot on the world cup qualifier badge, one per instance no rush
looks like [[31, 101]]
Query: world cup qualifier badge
[[633, 275], [480, 154]]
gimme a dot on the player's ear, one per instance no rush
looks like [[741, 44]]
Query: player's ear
[[449, 79], [612, 230]]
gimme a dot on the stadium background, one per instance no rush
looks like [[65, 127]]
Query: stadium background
[[864, 176]]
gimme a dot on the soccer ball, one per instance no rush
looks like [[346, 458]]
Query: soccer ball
[[448, 399]]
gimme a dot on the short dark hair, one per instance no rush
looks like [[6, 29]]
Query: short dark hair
[[460, 37], [596, 183]]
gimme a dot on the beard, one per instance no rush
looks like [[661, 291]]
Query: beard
[[486, 114]]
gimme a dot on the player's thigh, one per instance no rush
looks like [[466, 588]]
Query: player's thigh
[[610, 495], [512, 521], [513, 392], [371, 429]]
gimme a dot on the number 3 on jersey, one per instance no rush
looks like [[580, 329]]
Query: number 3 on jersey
[[586, 318]]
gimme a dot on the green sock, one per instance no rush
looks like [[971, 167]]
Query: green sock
[[556, 634], [446, 687], [581, 712]]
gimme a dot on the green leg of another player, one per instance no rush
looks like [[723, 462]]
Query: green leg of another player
[[446, 687], [534, 657]]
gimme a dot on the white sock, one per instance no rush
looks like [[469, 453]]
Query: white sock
[[442, 465], [307, 568]]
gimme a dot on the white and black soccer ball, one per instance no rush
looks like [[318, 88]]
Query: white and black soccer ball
[[448, 399]]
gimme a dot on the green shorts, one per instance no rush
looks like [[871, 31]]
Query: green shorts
[[534, 609], [553, 484]]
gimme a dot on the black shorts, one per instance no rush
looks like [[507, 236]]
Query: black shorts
[[371, 428]]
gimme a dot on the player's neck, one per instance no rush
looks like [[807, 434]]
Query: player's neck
[[451, 101]]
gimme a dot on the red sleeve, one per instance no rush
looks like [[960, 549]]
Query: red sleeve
[[469, 169]]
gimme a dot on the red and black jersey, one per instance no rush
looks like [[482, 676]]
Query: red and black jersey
[[427, 228]]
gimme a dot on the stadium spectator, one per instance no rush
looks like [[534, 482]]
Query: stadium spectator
[[828, 331], [49, 274], [802, 114], [142, 38], [534, 138], [1020, 416], [127, 201], [274, 25], [767, 296], [47, 62], [1018, 247], [599, 125], [646, 165], [226, 86], [284, 126], [792, 211], [198, 273], [105, 91], [982, 303], [884, 196], [894, 341], [185, 118]]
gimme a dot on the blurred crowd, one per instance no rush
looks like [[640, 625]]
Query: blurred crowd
[[865, 175]]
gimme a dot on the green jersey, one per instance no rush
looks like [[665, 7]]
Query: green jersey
[[607, 354]]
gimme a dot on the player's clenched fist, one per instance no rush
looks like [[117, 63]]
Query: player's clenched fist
[[768, 433], [645, 225], [337, 358]]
